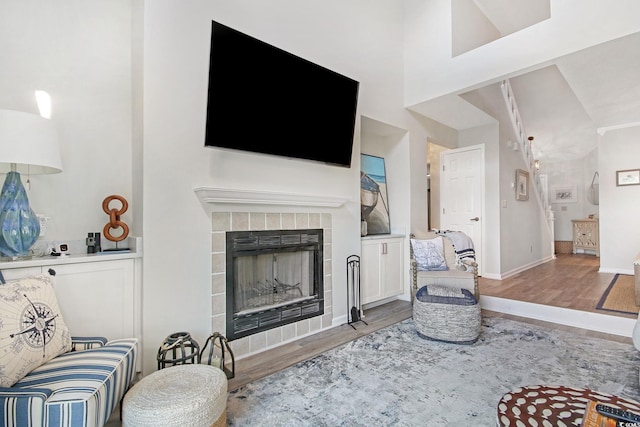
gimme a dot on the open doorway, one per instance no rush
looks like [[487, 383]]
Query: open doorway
[[433, 183]]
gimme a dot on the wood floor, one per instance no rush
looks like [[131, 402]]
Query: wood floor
[[570, 281]]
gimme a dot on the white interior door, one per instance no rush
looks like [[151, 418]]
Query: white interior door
[[462, 194]]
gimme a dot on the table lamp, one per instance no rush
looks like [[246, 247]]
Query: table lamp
[[28, 145]]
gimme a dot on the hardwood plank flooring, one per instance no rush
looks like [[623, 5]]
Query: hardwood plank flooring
[[569, 281]]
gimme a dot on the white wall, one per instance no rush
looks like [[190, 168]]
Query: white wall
[[578, 173], [619, 206], [80, 52], [561, 175], [432, 71], [470, 27], [590, 174], [434, 152]]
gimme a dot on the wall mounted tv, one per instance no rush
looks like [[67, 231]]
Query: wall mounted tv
[[263, 99]]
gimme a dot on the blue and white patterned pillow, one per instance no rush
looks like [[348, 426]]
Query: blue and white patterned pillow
[[429, 254], [32, 330]]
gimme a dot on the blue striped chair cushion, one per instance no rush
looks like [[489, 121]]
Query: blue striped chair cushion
[[79, 388]]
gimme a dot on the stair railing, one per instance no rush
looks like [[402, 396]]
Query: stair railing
[[524, 146]]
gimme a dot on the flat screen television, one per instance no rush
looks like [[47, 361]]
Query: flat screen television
[[263, 99]]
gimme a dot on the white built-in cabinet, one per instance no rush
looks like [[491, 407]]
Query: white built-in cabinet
[[381, 268], [98, 294]]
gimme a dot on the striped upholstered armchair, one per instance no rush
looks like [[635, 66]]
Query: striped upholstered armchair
[[48, 377], [78, 388]]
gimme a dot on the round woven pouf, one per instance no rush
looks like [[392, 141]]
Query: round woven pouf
[[193, 395]]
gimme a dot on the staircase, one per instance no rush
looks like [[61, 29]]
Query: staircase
[[524, 146]]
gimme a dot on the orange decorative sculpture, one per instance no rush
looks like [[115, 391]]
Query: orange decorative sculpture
[[114, 218]]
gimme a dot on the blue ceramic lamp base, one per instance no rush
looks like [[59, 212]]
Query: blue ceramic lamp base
[[20, 227]]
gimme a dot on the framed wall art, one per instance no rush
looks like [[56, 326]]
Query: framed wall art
[[374, 202], [564, 194], [628, 177], [522, 185]]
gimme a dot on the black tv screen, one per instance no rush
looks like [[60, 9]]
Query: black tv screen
[[263, 99]]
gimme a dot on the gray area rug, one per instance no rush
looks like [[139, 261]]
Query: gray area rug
[[395, 378]]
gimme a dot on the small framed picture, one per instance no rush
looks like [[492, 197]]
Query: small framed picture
[[628, 177], [522, 185], [564, 194]]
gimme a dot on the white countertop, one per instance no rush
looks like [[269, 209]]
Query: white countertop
[[134, 245], [382, 236]]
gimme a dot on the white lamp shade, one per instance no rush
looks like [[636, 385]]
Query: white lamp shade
[[30, 142]]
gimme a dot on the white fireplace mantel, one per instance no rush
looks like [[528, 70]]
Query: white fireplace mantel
[[213, 195]]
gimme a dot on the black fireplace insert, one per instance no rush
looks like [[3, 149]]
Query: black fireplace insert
[[274, 277]]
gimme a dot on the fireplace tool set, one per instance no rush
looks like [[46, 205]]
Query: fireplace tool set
[[354, 314]]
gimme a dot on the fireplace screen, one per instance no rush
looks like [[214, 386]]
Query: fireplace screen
[[266, 281], [273, 278]]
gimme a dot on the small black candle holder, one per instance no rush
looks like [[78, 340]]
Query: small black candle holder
[[178, 349], [218, 349]]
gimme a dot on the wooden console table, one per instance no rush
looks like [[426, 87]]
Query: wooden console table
[[586, 235]]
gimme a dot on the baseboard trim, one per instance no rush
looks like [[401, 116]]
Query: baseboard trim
[[507, 274], [579, 319], [525, 267], [628, 272]]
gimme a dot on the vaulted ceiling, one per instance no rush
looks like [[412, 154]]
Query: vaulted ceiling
[[563, 104]]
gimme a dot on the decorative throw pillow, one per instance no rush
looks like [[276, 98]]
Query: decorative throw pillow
[[429, 254], [32, 330]]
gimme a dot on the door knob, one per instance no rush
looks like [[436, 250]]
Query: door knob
[[475, 219]]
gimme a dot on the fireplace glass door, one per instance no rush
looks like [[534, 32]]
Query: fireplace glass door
[[266, 281], [274, 278]]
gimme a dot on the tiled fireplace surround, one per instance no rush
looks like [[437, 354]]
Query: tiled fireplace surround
[[254, 221]]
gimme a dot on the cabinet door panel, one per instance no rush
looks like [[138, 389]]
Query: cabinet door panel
[[381, 269], [18, 273], [370, 272], [393, 278], [97, 298]]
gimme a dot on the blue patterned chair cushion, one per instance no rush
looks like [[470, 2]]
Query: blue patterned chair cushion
[[78, 388], [445, 295]]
